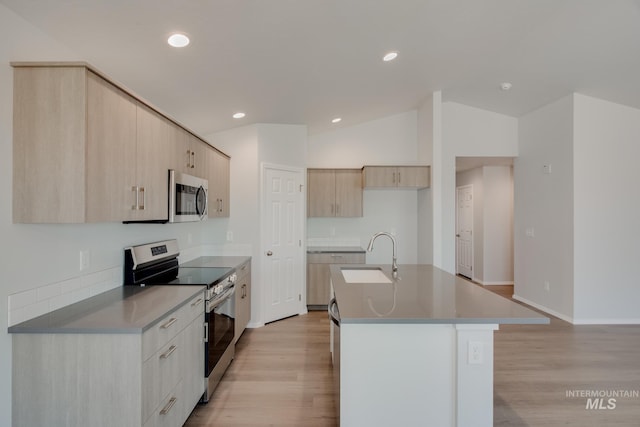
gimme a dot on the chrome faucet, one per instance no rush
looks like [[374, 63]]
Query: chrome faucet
[[394, 263]]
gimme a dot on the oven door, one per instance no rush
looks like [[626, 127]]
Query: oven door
[[220, 328], [187, 197]]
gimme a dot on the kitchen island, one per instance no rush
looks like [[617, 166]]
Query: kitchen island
[[416, 350]]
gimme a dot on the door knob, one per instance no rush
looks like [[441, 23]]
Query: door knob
[[457, 235], [269, 253]]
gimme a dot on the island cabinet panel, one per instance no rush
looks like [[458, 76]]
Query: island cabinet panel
[[334, 193], [243, 299], [106, 379], [86, 150], [319, 275], [396, 176]]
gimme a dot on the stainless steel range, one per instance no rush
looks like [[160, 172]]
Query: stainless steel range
[[157, 264]]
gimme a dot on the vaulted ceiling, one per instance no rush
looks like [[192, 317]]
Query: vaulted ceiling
[[308, 61]]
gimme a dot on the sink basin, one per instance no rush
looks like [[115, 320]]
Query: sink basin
[[364, 275]]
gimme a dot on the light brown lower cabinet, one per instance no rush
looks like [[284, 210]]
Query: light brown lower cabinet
[[121, 379], [319, 276], [243, 299]]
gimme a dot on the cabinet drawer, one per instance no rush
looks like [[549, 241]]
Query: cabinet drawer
[[194, 308], [336, 258], [161, 372], [243, 270], [171, 410], [160, 333]]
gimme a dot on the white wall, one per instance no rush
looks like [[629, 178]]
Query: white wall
[[544, 204], [388, 141], [498, 225], [426, 136], [466, 132], [606, 150]]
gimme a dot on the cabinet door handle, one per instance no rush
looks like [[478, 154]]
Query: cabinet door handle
[[168, 353], [336, 256], [394, 177], [144, 198], [399, 177], [168, 406], [189, 159], [135, 204], [196, 302], [169, 323], [193, 159]]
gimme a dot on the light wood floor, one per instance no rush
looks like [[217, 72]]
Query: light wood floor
[[281, 375]]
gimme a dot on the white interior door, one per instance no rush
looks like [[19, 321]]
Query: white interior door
[[464, 230], [282, 248]]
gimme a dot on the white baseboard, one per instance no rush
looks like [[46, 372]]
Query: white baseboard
[[543, 308], [573, 321], [252, 325], [606, 322], [494, 283]]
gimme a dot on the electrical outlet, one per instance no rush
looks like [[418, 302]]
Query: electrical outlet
[[229, 236], [530, 232], [85, 260], [475, 353]]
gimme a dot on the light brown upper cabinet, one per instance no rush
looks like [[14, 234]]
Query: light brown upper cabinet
[[396, 176], [219, 169], [86, 150], [334, 193]]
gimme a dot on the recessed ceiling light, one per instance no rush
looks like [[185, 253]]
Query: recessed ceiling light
[[505, 86], [178, 40], [390, 56], [336, 120], [239, 115]]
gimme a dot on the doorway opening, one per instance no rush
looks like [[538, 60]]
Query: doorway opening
[[484, 219]]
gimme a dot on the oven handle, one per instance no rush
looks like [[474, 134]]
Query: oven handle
[[334, 314], [228, 294]]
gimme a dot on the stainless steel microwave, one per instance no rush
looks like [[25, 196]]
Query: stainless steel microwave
[[187, 197]]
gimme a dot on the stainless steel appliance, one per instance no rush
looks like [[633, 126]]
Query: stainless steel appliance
[[187, 197], [157, 264]]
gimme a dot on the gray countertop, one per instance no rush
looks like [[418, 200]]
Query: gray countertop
[[217, 261], [124, 310], [335, 250], [424, 294]]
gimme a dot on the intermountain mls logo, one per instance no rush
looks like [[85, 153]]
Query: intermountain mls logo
[[603, 399]]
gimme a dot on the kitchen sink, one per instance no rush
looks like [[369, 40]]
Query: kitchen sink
[[364, 275]]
